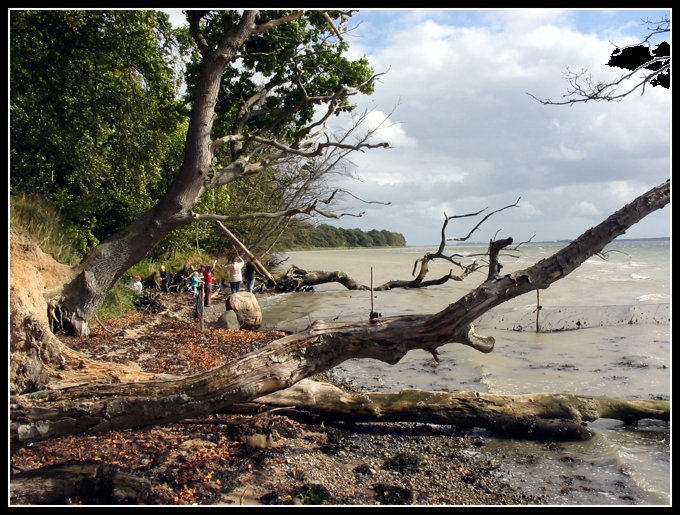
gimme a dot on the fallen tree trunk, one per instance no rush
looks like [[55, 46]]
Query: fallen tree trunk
[[90, 483], [297, 279], [535, 416], [97, 408]]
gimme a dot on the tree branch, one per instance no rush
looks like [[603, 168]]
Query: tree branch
[[465, 238], [601, 91], [322, 346], [194, 18], [263, 27], [335, 29]]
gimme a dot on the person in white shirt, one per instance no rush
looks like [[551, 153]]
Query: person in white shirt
[[234, 270], [137, 284]]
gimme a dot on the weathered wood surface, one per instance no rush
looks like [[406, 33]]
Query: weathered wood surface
[[100, 407], [92, 483], [540, 415]]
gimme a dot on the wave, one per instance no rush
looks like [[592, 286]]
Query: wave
[[652, 296], [638, 276], [569, 318]]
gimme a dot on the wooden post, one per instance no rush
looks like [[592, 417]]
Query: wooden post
[[372, 290], [245, 250], [199, 306], [538, 308]]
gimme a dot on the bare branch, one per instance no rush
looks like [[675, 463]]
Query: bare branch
[[655, 28], [308, 210], [319, 148], [464, 238], [602, 91], [346, 192], [263, 27], [335, 29], [655, 67], [467, 269]]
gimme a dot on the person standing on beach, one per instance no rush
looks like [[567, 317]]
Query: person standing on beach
[[207, 285], [165, 279], [249, 271], [195, 283], [234, 270], [137, 284]]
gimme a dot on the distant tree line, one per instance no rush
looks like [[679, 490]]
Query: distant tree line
[[323, 235]]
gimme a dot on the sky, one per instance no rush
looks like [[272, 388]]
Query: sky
[[466, 135]]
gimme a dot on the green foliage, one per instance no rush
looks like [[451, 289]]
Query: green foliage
[[96, 127], [327, 236], [119, 302], [94, 122], [294, 61], [34, 217]]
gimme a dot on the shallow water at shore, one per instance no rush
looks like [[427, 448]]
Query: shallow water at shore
[[624, 352]]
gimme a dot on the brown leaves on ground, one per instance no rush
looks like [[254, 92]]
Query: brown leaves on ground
[[169, 342], [228, 459], [187, 463]]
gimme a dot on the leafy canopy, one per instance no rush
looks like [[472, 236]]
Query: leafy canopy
[[93, 112], [97, 124]]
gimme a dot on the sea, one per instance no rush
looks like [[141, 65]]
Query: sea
[[604, 330]]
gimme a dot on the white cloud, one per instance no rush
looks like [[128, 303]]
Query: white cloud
[[569, 154], [468, 136], [528, 210], [387, 130], [586, 209]]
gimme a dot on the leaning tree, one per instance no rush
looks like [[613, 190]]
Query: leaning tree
[[85, 400], [263, 86], [56, 391]]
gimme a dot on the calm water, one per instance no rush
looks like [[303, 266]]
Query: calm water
[[623, 302]]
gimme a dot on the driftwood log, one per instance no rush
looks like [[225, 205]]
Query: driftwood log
[[533, 416], [92, 408], [256, 262], [91, 483]]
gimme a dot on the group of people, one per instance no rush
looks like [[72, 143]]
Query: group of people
[[238, 272]]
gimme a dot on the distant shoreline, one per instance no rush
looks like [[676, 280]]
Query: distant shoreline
[[465, 244]]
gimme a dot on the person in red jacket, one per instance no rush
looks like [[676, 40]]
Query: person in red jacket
[[207, 285]]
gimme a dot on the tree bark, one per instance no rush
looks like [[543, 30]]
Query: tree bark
[[533, 416], [322, 346], [297, 279], [92, 483], [107, 262]]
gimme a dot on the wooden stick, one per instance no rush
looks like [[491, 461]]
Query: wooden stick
[[538, 308], [201, 296], [245, 250], [371, 289], [101, 324]]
